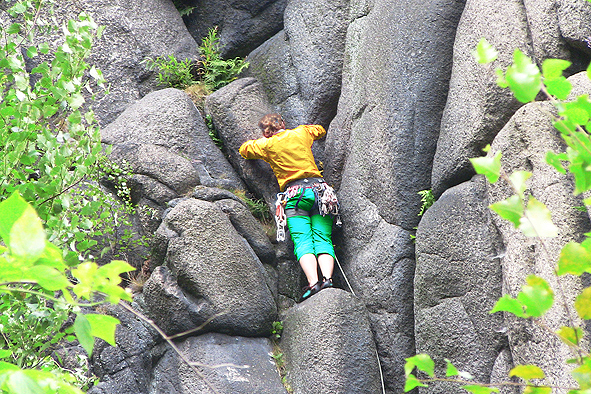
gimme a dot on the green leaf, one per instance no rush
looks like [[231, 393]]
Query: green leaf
[[501, 81], [527, 372], [510, 209], [553, 68], [83, 331], [15, 28], [537, 390], [508, 304], [19, 382], [103, 326], [27, 237], [422, 361], [559, 87], [5, 353], [577, 115], [488, 166], [523, 77], [32, 51], [537, 221], [583, 304], [451, 370], [484, 52], [575, 258], [476, 389], [10, 210], [536, 296], [412, 382], [570, 336], [518, 179], [555, 160], [582, 374], [48, 277]]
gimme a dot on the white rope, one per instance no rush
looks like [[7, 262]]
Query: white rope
[[376, 350]]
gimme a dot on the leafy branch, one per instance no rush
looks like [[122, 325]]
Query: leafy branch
[[533, 219]]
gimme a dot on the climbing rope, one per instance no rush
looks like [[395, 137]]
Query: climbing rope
[[376, 350]]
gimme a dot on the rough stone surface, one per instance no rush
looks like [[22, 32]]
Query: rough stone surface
[[329, 347], [236, 110], [524, 142], [125, 369], [301, 66], [458, 279], [242, 25], [213, 274], [379, 152], [133, 31], [244, 366], [476, 107], [272, 66], [164, 137], [574, 18], [249, 228]]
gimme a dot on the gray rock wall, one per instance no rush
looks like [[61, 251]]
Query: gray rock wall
[[379, 152], [406, 107]]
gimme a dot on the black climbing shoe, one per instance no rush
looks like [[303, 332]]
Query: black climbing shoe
[[310, 291], [326, 283]]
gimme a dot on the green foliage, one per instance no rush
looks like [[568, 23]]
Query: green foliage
[[183, 8], [50, 150], [211, 69], [427, 200], [533, 218], [484, 52], [213, 134], [172, 72], [218, 72], [276, 330], [33, 273], [257, 207]]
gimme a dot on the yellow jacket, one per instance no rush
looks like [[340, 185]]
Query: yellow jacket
[[289, 153]]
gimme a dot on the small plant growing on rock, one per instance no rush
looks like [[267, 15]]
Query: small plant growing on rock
[[171, 72], [215, 71]]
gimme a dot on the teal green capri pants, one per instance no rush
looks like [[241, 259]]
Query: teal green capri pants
[[310, 233]]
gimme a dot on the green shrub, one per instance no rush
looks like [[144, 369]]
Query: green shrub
[[215, 71], [172, 72]]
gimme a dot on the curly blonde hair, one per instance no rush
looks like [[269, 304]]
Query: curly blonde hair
[[271, 124]]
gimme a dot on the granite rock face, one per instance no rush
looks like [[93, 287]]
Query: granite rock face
[[242, 25], [210, 275], [133, 32], [458, 279], [329, 346], [228, 364]]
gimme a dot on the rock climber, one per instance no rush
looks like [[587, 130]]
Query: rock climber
[[306, 202]]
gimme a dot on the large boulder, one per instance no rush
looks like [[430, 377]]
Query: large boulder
[[458, 280], [133, 32], [164, 137], [329, 347], [211, 275], [524, 142], [230, 365], [236, 110], [379, 152], [301, 66], [476, 107], [242, 25]]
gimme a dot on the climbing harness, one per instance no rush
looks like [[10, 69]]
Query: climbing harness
[[325, 196]]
